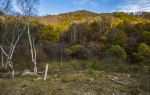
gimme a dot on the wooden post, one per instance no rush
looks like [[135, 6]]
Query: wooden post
[[46, 70]]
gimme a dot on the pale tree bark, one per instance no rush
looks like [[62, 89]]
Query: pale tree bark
[[2, 59], [12, 46], [10, 63], [3, 35], [2, 54], [74, 33], [32, 49], [5, 8], [61, 55], [61, 60], [29, 8]]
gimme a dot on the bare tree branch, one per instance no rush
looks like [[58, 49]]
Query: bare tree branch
[[5, 6], [28, 7]]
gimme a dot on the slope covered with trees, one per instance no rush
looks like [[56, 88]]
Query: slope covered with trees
[[105, 53], [82, 35]]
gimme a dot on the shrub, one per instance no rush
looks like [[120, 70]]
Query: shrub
[[119, 52], [92, 65], [146, 37], [67, 53], [77, 50], [143, 54], [117, 37]]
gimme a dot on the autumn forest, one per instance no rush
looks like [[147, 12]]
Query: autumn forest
[[83, 42]]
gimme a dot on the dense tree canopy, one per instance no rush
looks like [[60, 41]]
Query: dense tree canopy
[[85, 34]]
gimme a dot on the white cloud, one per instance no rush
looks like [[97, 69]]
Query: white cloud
[[135, 6]]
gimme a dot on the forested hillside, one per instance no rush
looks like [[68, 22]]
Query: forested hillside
[[75, 53], [82, 35]]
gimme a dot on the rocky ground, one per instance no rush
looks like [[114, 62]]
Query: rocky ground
[[77, 83]]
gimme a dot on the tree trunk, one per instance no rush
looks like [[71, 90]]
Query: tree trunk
[[33, 50], [2, 59], [13, 73], [35, 69]]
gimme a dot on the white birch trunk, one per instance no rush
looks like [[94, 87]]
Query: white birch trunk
[[61, 57], [13, 73], [2, 59], [9, 56], [74, 33], [35, 69], [13, 46], [33, 50]]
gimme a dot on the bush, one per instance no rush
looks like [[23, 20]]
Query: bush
[[77, 50], [118, 52], [146, 37], [143, 54], [93, 65], [67, 53], [117, 37]]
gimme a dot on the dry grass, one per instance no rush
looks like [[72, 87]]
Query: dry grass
[[82, 83]]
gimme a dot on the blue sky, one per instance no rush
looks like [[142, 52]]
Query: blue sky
[[100, 6]]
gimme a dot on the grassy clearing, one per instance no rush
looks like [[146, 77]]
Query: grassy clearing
[[82, 83], [78, 78]]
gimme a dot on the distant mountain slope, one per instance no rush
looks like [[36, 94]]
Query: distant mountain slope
[[76, 16], [82, 16], [80, 13]]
